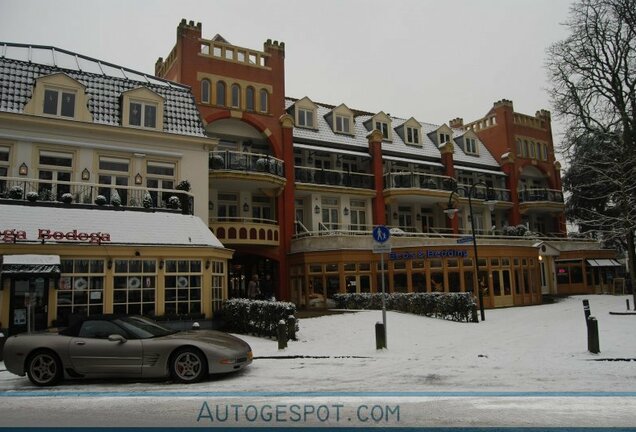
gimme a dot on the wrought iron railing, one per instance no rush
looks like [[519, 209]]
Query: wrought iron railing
[[540, 194], [418, 180], [247, 162], [333, 177]]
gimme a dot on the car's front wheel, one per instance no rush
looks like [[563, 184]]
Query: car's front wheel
[[188, 365], [44, 368]]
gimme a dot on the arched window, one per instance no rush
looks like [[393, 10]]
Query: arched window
[[249, 99], [263, 100], [205, 91], [220, 93], [236, 96]]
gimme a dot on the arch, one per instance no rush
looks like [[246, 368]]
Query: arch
[[205, 91], [220, 233], [231, 233], [220, 93], [243, 234], [263, 100], [251, 120], [250, 99], [235, 97], [261, 234]]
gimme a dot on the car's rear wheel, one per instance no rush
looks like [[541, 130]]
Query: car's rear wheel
[[44, 368], [188, 365]]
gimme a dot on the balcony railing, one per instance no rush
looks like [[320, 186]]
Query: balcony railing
[[35, 190], [246, 162], [334, 177], [541, 194], [240, 230], [418, 180], [496, 194]]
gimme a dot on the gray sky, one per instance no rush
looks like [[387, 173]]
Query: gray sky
[[433, 60]]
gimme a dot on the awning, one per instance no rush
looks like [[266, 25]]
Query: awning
[[603, 263], [480, 170], [30, 264], [413, 161]]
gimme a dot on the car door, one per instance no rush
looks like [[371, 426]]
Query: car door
[[93, 354]]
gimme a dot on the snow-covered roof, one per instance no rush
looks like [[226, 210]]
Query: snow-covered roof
[[324, 136], [124, 227]]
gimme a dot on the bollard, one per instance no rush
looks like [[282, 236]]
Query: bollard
[[592, 336], [380, 336], [586, 309], [291, 327], [281, 334], [627, 301]]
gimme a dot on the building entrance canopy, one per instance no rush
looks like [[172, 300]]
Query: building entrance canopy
[[30, 264]]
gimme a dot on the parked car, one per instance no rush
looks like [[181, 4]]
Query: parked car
[[123, 346]]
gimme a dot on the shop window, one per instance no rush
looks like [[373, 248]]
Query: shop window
[[436, 263], [315, 268], [349, 267], [496, 283], [437, 281], [220, 93], [417, 264], [400, 282], [453, 281], [576, 274], [217, 269], [418, 281], [134, 287], [452, 262], [81, 289], [518, 281], [331, 268], [494, 262], [469, 280], [183, 287], [364, 267], [333, 285]]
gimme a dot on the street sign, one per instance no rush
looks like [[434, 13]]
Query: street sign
[[381, 233], [465, 239], [381, 248]]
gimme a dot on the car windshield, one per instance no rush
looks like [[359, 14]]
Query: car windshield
[[143, 328]]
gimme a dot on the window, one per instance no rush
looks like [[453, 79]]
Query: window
[[59, 103], [205, 91], [519, 148], [4, 167], [220, 93], [532, 152], [100, 329], [305, 118], [330, 212], [218, 282], [55, 170], [236, 96], [228, 206], [142, 114], [412, 135], [160, 175], [183, 287], [134, 285], [81, 288], [444, 138], [113, 172], [544, 152], [471, 146], [263, 99], [262, 208], [384, 128], [249, 99], [358, 215], [343, 124]]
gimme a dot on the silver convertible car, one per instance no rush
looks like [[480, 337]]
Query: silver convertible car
[[130, 346]]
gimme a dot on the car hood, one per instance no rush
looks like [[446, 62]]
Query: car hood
[[209, 336]]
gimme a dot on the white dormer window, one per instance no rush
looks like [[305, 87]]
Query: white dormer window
[[143, 114], [444, 138], [305, 118], [343, 124], [412, 135], [384, 128], [471, 146], [59, 103]]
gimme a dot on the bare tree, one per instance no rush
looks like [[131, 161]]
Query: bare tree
[[593, 74]]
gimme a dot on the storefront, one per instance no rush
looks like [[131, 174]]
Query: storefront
[[58, 263]]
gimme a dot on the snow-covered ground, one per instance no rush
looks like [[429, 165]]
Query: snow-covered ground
[[523, 349]]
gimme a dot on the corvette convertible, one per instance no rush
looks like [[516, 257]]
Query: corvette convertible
[[123, 346]]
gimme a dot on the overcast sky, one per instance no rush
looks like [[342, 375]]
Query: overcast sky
[[433, 60]]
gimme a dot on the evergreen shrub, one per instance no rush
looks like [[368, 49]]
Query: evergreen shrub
[[257, 317]]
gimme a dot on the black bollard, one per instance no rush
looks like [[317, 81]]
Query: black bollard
[[586, 309], [291, 327], [281, 334], [592, 336], [380, 336], [627, 301]]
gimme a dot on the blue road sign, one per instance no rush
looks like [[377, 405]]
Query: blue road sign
[[381, 233]]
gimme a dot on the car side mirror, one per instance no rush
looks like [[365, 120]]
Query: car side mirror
[[116, 338]]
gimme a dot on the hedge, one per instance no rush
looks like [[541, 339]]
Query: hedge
[[259, 317], [450, 306]]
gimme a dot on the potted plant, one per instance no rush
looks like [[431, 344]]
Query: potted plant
[[115, 199], [16, 192], [147, 200], [32, 196], [67, 198], [173, 202], [100, 200]]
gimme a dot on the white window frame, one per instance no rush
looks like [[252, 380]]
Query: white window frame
[[60, 95], [383, 127], [340, 122], [412, 135], [142, 116], [305, 118], [471, 146]]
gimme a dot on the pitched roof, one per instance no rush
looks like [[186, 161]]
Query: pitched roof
[[21, 65]]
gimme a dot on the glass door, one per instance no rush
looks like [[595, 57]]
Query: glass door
[[28, 310]]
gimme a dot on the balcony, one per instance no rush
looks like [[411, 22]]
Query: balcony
[[338, 178], [539, 200], [84, 194], [246, 231], [249, 170]]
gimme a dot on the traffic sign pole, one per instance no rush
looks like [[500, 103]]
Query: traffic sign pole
[[381, 235], [383, 303]]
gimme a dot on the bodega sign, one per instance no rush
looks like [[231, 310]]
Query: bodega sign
[[43, 234]]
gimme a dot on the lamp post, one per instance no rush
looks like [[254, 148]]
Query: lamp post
[[450, 212]]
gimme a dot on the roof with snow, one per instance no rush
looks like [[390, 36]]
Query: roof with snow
[[21, 65], [323, 135], [124, 227]]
